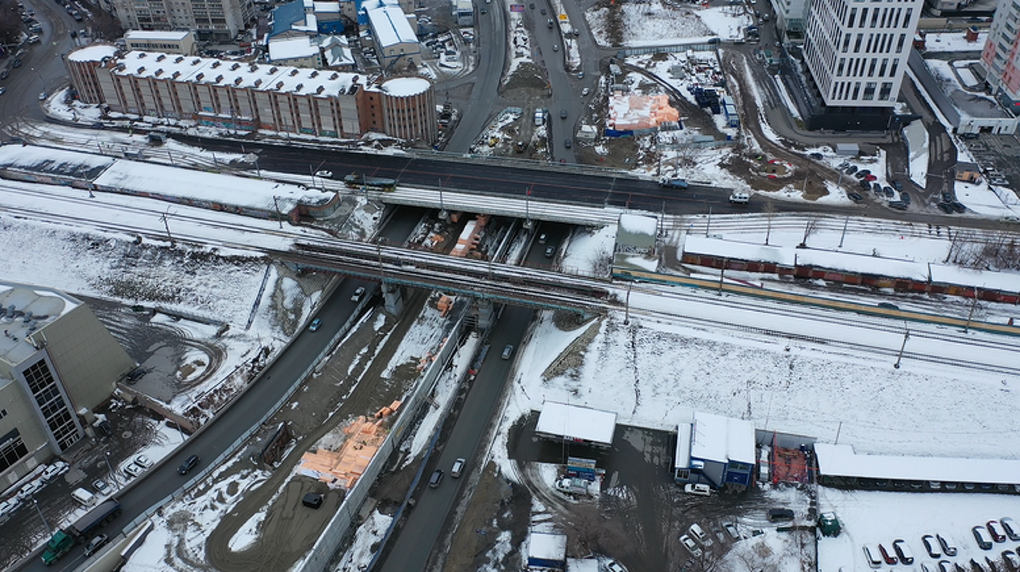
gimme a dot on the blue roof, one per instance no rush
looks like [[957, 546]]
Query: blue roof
[[285, 15]]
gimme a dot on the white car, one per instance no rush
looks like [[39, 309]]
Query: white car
[[324, 174], [143, 461], [43, 96], [458, 468], [132, 470], [55, 470], [100, 486], [691, 546], [585, 92], [614, 566], [700, 490], [29, 489], [358, 293]]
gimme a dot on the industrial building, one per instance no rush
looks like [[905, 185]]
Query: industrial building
[[715, 450], [211, 20], [575, 424], [252, 97], [57, 363]]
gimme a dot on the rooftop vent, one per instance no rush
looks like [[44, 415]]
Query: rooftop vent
[[159, 72], [178, 59], [258, 82], [140, 70], [199, 77], [160, 57], [141, 55], [299, 87], [294, 72], [333, 76], [279, 85], [175, 75], [196, 61], [238, 80], [273, 70], [320, 89], [216, 64], [235, 66], [313, 74]]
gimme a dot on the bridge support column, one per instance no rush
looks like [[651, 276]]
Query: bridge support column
[[484, 314], [393, 299]]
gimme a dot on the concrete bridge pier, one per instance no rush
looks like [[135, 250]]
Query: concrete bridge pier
[[484, 315], [393, 298]]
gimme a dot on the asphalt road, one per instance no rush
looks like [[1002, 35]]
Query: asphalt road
[[162, 479]]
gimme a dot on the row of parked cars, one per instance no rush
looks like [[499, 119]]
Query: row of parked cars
[[940, 547], [696, 541], [30, 488]]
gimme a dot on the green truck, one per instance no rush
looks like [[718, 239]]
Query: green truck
[[359, 181], [64, 540]]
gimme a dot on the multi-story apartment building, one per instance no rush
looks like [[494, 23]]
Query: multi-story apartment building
[[856, 50], [1001, 55], [247, 96], [210, 19]]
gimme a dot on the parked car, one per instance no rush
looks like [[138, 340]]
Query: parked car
[[816, 156], [897, 184], [585, 92], [508, 351], [872, 556], [697, 533], [981, 536], [95, 544], [29, 489], [691, 546], [851, 169], [132, 470], [1011, 559], [458, 467], [958, 206], [946, 208], [698, 489], [358, 293], [898, 205], [312, 500], [864, 184], [731, 529], [863, 172], [888, 555], [315, 325], [542, 238], [888, 191], [55, 470], [43, 96], [550, 251], [855, 197], [614, 566], [995, 530], [568, 144], [324, 174], [870, 178], [143, 461], [903, 551], [905, 197], [1010, 527], [101, 486], [931, 546], [780, 514], [876, 188], [436, 478], [556, 47], [190, 463]]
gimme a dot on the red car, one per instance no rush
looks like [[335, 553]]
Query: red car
[[887, 555], [995, 529], [870, 178]]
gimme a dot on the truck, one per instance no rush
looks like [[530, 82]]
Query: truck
[[64, 540], [359, 180], [673, 183]]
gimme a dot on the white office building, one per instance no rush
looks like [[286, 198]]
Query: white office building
[[857, 51]]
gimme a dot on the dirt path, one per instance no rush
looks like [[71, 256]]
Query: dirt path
[[289, 530]]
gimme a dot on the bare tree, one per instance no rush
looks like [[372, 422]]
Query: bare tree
[[769, 209], [9, 22], [809, 229]]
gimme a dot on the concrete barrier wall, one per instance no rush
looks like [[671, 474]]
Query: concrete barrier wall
[[321, 555]]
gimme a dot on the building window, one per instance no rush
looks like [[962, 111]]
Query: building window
[[12, 450], [900, 42], [857, 44], [51, 402], [853, 16], [871, 68], [839, 69], [881, 70], [857, 90], [886, 91], [869, 91]]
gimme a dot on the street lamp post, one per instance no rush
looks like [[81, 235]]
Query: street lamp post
[[906, 336], [113, 475], [41, 516]]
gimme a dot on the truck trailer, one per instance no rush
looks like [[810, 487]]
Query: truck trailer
[[64, 540], [358, 181]]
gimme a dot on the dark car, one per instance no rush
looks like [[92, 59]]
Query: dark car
[[905, 197], [903, 551], [780, 514], [563, 114], [4, 74], [315, 325], [312, 500], [436, 478], [996, 531], [947, 197], [981, 536], [864, 184], [567, 144], [946, 208], [543, 11], [948, 546], [1010, 527], [897, 184], [888, 191], [855, 197], [816, 156], [187, 465], [898, 205], [863, 172], [887, 555], [851, 169], [95, 544], [876, 188], [16, 63], [958, 206], [550, 251], [888, 306]]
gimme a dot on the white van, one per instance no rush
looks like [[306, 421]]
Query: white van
[[697, 533], [740, 197], [83, 497]]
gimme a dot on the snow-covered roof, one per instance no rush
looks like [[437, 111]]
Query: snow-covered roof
[[391, 26], [403, 86], [637, 230], [169, 35], [575, 422], [92, 53], [286, 15], [863, 264], [57, 162], [326, 7], [223, 72], [722, 439], [147, 178], [291, 48], [547, 546], [1001, 281], [738, 250], [682, 457], [842, 461], [43, 304]]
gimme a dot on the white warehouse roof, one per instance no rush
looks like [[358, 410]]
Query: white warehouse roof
[[722, 439], [842, 461], [391, 26], [574, 422]]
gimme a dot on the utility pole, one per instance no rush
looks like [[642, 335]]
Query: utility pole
[[970, 314], [39, 510], [279, 215], [842, 236], [708, 224], [906, 336], [166, 225], [626, 306]]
